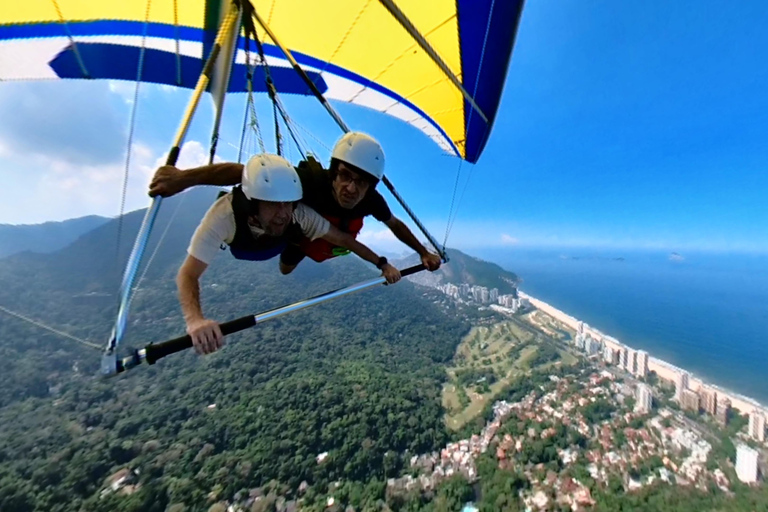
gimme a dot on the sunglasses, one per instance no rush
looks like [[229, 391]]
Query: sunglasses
[[345, 178]]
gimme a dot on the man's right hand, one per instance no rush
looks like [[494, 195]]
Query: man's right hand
[[390, 273], [206, 336], [167, 181]]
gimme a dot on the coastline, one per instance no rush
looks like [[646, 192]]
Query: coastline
[[665, 370]]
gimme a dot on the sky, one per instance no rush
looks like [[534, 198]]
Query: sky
[[622, 125]]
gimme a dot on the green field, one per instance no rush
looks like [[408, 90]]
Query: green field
[[505, 350]]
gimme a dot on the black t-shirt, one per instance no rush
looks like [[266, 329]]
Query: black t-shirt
[[318, 195]]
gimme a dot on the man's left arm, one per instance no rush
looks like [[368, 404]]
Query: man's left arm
[[342, 239], [314, 226], [405, 235]]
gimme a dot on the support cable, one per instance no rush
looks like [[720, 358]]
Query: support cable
[[469, 121], [131, 127], [78, 57], [400, 16], [50, 329], [453, 199]]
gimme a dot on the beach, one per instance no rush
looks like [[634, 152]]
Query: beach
[[663, 369]]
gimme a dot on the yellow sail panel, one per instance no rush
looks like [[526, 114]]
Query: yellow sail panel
[[362, 37], [190, 13]]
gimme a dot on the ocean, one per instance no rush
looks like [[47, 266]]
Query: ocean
[[705, 312]]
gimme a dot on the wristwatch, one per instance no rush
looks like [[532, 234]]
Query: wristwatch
[[381, 263]]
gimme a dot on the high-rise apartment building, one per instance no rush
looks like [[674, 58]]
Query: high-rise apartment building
[[689, 400], [746, 464], [631, 356], [757, 425], [608, 355], [708, 401], [681, 384], [641, 366], [644, 399], [723, 409]]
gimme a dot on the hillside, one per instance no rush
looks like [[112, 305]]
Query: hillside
[[463, 268], [45, 237]]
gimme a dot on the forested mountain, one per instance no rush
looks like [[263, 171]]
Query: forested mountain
[[463, 268], [45, 237], [358, 378]]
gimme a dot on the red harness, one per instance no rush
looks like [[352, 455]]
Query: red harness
[[321, 250]]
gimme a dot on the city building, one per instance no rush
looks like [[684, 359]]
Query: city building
[[681, 384], [608, 355], [746, 464], [464, 289], [642, 363], [630, 366], [588, 342], [709, 401], [494, 295], [623, 357], [690, 400], [508, 301], [723, 410], [591, 345], [757, 425], [644, 399], [449, 289]]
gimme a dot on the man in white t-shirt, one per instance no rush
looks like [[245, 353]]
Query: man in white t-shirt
[[256, 220]]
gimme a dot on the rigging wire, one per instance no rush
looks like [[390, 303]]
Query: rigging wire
[[312, 135], [469, 121], [453, 199], [132, 125], [72, 42], [277, 105], [50, 329], [176, 35], [250, 106], [159, 243]]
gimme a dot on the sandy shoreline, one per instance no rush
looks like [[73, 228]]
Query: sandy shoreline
[[663, 369]]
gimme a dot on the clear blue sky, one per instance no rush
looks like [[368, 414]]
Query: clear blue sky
[[623, 124]]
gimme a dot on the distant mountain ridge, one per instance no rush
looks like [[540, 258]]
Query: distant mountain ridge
[[463, 268], [46, 237]]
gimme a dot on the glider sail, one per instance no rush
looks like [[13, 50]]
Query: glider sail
[[355, 51]]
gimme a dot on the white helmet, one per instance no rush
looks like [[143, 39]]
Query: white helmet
[[271, 178], [362, 151]]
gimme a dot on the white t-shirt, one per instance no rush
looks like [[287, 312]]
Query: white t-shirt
[[218, 226]]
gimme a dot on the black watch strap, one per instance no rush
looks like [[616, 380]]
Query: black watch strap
[[381, 263]]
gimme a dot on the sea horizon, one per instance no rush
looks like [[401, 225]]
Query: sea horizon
[[703, 312]]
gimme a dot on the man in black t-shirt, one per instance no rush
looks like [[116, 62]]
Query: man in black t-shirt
[[345, 194]]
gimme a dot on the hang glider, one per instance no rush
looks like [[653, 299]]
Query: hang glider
[[439, 66]]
